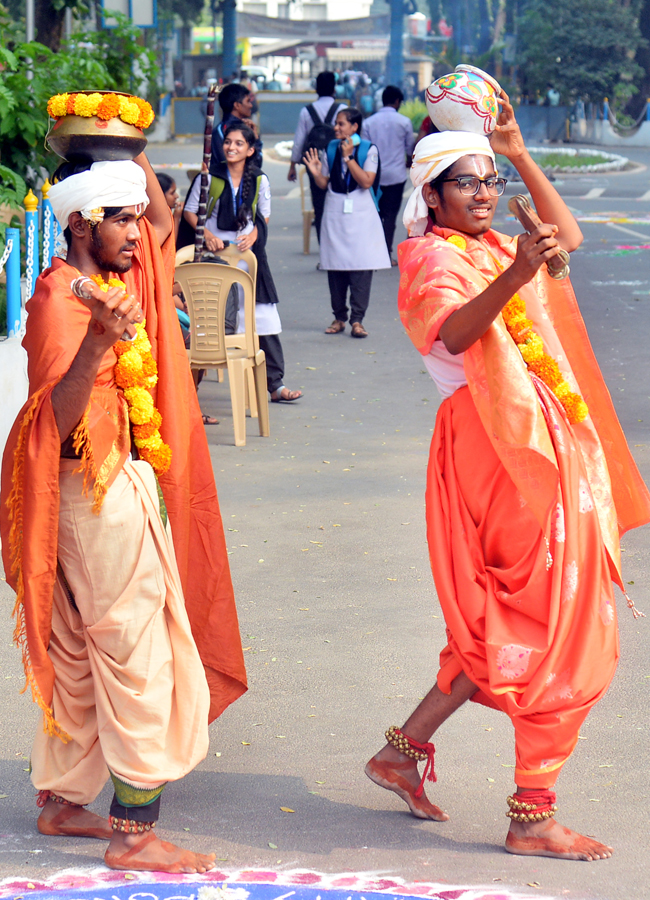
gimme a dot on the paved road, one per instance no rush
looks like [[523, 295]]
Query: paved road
[[339, 617]]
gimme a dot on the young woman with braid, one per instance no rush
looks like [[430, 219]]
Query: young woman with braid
[[239, 206]]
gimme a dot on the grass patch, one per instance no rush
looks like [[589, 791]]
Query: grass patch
[[567, 161]]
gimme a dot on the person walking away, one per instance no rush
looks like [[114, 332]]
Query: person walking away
[[125, 617], [315, 130], [529, 487], [239, 207], [236, 102], [352, 239], [392, 135]]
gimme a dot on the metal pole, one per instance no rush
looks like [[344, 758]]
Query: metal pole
[[229, 24], [13, 283], [29, 21], [395, 66]]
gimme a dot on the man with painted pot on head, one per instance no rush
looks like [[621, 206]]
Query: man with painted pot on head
[[530, 481], [111, 532]]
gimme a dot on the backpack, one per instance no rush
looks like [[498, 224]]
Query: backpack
[[321, 133], [361, 156], [215, 191]]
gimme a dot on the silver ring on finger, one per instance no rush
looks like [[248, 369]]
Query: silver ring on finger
[[117, 317]]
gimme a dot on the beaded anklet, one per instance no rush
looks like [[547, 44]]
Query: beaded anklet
[[43, 796], [129, 826], [534, 806], [414, 750]]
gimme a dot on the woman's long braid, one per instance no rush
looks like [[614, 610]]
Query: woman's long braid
[[245, 212]]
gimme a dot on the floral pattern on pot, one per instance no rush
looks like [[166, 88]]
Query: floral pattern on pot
[[462, 101]]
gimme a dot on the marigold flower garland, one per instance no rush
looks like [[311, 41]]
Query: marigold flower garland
[[531, 347], [136, 373], [132, 110]]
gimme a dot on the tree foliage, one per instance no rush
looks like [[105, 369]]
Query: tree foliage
[[584, 49], [99, 60]]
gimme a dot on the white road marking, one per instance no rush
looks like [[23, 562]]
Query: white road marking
[[293, 193], [594, 194], [637, 234], [645, 196]]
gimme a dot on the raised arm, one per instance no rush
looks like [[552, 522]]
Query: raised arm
[[158, 211], [550, 207]]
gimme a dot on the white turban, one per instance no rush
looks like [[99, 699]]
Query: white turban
[[119, 183], [434, 154]]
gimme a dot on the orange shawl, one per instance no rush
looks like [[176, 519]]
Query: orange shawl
[[437, 278], [29, 506]]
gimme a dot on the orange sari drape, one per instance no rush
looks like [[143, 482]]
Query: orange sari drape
[[56, 325], [524, 510]]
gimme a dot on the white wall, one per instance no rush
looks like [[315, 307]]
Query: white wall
[[13, 384]]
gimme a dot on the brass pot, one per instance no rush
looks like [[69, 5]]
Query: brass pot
[[82, 138]]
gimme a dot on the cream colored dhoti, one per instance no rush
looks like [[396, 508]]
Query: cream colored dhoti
[[130, 687]]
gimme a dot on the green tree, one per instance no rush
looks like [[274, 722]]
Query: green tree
[[584, 49]]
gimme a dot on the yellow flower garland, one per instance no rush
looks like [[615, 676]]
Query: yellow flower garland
[[136, 373], [132, 110], [531, 347]]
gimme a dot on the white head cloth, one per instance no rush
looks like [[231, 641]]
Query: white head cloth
[[119, 183], [433, 154]]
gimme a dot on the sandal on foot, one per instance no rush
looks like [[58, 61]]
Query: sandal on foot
[[358, 331], [284, 395], [209, 420], [336, 327], [386, 775]]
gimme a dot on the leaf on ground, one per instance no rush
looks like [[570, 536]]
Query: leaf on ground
[[311, 368], [310, 716], [533, 884], [391, 579], [605, 765], [217, 754], [594, 800], [316, 542], [326, 461], [186, 829], [246, 743], [335, 525], [287, 809], [491, 780], [319, 782], [129, 877], [273, 846], [3, 796]]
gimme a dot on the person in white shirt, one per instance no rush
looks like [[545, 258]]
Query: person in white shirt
[[392, 134], [320, 120]]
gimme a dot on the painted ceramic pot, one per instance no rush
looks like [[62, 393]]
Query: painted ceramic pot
[[465, 100]]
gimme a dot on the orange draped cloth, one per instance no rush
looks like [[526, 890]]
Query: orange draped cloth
[[524, 510], [56, 325]]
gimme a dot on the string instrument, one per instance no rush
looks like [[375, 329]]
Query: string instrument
[[207, 153], [520, 207]]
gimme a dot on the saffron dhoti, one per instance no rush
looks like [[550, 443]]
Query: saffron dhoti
[[533, 626]]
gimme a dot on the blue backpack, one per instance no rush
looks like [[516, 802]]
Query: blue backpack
[[361, 155]]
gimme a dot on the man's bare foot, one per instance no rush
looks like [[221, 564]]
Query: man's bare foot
[[147, 853], [72, 821], [395, 772], [549, 838]]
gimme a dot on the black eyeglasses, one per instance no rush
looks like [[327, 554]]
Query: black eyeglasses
[[470, 185]]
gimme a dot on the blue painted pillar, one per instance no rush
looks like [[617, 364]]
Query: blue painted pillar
[[32, 262], [47, 226], [395, 61], [229, 55], [13, 282]]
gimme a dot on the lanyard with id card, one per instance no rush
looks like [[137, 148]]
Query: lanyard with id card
[[348, 204]]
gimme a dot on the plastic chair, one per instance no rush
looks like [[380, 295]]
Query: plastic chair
[[206, 288], [307, 211]]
